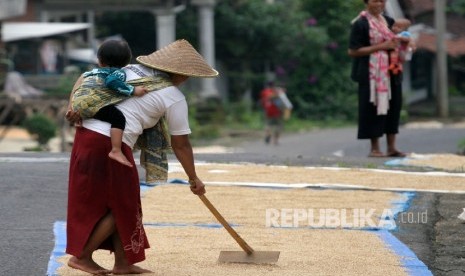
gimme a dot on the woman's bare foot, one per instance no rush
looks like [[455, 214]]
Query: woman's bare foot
[[88, 266], [119, 156], [132, 269]]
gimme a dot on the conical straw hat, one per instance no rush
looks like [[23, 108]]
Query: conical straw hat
[[180, 58]]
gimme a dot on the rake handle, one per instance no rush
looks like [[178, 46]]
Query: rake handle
[[226, 225]]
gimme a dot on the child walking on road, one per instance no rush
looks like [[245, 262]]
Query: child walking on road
[[277, 108]]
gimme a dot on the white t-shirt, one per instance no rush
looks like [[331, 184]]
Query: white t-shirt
[[144, 112]]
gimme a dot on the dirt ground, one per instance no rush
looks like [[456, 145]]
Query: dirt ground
[[185, 239], [447, 162]]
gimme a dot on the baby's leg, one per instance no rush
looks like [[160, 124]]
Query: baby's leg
[[116, 135], [115, 117]]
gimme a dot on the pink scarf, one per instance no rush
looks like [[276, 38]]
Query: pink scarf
[[380, 86]]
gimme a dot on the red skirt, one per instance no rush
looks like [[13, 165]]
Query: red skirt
[[98, 185]]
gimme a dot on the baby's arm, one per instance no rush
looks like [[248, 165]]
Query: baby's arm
[[116, 82], [407, 40], [139, 91]]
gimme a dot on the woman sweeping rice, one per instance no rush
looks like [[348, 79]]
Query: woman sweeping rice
[[104, 206]]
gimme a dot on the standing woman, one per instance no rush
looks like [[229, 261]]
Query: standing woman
[[379, 91]]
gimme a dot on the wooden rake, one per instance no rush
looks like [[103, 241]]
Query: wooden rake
[[248, 255]]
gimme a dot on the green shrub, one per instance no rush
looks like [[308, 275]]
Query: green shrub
[[461, 147], [41, 127]]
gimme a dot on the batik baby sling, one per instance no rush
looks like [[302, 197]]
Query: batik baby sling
[[92, 94]]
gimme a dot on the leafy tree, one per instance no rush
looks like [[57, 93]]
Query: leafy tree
[[137, 28], [322, 75], [248, 37], [457, 6], [303, 42]]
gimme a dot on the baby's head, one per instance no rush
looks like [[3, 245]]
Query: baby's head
[[114, 53], [400, 25]]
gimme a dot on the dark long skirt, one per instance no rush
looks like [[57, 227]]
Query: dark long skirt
[[98, 185], [371, 125]]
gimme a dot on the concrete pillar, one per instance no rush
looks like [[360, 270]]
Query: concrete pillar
[[393, 9], [44, 16], [1, 38], [207, 44], [166, 28], [441, 59], [434, 79], [91, 30]]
